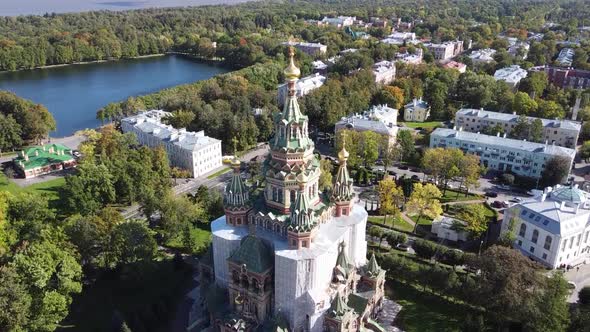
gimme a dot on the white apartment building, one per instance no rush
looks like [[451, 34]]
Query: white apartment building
[[461, 67], [500, 153], [511, 75], [519, 49], [192, 151], [413, 59], [446, 50], [399, 38], [340, 21], [416, 111], [380, 119], [553, 227], [565, 57], [445, 227], [559, 132], [485, 55], [384, 72], [302, 87], [312, 49]]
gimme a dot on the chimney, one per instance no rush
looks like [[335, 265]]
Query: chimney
[[498, 134], [543, 197], [513, 113], [576, 208], [504, 136], [562, 205], [460, 128], [454, 127]]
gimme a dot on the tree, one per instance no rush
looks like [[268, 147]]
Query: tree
[[474, 215], [132, 242], [549, 109], [325, 181], [424, 201], [556, 170], [470, 171], [584, 296], [176, 213], [554, 315], [15, 301], [424, 249], [10, 135], [390, 154], [523, 104], [397, 96], [536, 131], [534, 84], [390, 198], [370, 147], [522, 128], [405, 140], [585, 132], [179, 119], [52, 274], [508, 179], [89, 190]]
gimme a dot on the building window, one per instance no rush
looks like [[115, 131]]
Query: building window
[[535, 236], [564, 245], [548, 241], [545, 256], [578, 239], [304, 244], [586, 236], [519, 243], [571, 242], [522, 231], [532, 250]]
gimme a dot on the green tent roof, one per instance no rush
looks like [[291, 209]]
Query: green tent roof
[[254, 253]]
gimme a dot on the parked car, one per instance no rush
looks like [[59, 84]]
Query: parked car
[[498, 204], [503, 187], [404, 167], [392, 173], [492, 194], [402, 247], [415, 169], [379, 162], [516, 200], [76, 153], [415, 178]]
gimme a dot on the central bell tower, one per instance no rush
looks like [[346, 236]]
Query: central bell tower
[[291, 152]]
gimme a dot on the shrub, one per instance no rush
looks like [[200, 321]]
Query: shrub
[[424, 249]]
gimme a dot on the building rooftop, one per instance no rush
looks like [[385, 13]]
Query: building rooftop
[[512, 117], [504, 142], [305, 44], [254, 253], [417, 103], [483, 55], [511, 74], [380, 119], [561, 210], [454, 65], [150, 122], [310, 82], [40, 156], [566, 56]]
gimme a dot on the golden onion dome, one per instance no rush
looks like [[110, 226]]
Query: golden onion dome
[[302, 178], [292, 72], [235, 162], [343, 154]]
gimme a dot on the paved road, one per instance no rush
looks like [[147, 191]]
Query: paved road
[[581, 277]]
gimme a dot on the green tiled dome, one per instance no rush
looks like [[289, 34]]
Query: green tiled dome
[[568, 194], [254, 253]]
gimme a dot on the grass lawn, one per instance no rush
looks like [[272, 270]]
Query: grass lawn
[[201, 236], [424, 312], [455, 196], [50, 189], [399, 224], [148, 297], [218, 173], [455, 208], [423, 221], [430, 124]]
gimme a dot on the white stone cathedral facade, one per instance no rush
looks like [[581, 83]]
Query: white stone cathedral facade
[[290, 251]]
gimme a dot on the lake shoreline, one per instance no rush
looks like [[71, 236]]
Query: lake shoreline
[[85, 63]]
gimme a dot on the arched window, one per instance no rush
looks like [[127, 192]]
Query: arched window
[[548, 241], [535, 236], [522, 230]]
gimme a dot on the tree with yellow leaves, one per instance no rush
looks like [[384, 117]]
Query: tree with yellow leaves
[[424, 201], [390, 198]]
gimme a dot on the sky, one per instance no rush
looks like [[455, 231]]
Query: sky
[[39, 7]]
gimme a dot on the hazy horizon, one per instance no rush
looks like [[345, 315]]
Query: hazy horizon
[[40, 7]]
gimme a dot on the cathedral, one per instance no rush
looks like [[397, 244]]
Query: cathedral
[[287, 256]]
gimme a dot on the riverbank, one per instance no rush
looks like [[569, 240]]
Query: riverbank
[[86, 62]]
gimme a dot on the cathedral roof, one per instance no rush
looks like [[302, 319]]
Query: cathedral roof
[[343, 183], [339, 307], [254, 253], [342, 260], [373, 268], [236, 193]]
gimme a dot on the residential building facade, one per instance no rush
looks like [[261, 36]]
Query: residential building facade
[[461, 67], [45, 159], [400, 38], [311, 49], [553, 227], [566, 77], [445, 227], [302, 87], [340, 21], [384, 72], [193, 151], [500, 153], [482, 56], [559, 132], [379, 119], [416, 111], [565, 57], [409, 58], [446, 50], [511, 75]]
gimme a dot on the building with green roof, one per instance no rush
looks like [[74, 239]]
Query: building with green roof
[[44, 159]]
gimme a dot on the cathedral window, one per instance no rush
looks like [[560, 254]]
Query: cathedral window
[[304, 244], [280, 196]]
